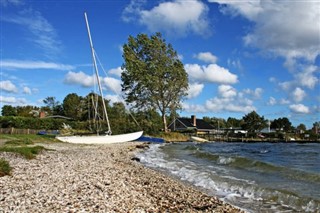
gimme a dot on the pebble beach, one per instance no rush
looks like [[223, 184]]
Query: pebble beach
[[91, 178]]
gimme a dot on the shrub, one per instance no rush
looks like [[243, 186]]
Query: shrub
[[27, 152], [5, 168]]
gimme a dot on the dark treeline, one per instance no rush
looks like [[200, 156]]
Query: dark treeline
[[76, 111]]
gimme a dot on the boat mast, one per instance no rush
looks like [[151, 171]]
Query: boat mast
[[97, 74]]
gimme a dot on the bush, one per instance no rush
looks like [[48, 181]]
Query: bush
[[27, 152], [5, 168]]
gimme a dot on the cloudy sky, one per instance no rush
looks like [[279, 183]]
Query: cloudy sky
[[240, 56]]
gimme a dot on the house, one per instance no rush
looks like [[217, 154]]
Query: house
[[191, 124]]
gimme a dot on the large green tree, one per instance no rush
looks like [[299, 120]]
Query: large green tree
[[8, 110], [53, 105], [253, 122], [281, 124], [73, 106], [153, 76]]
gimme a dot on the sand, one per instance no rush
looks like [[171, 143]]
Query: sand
[[91, 178]]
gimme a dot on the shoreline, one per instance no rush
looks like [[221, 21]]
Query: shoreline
[[91, 178]]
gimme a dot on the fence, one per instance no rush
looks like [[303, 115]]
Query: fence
[[21, 131]]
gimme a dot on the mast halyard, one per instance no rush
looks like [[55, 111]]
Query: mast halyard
[[97, 74]]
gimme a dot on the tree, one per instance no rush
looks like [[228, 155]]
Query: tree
[[316, 127], [52, 104], [8, 110], [234, 122], [72, 106], [153, 76], [253, 122], [281, 124], [26, 111], [301, 128], [217, 123]]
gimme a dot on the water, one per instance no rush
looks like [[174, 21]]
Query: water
[[257, 177]]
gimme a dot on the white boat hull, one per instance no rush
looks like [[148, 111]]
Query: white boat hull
[[101, 139], [197, 139]]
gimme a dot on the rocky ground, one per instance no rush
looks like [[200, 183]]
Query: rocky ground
[[88, 178]]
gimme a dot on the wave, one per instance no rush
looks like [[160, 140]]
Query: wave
[[214, 174], [257, 166]]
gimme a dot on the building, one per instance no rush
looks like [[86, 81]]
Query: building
[[192, 124]]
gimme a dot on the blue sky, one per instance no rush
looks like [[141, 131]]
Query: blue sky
[[239, 55]]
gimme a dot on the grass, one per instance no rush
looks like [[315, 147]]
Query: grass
[[29, 152], [174, 137], [5, 168], [33, 138], [21, 144]]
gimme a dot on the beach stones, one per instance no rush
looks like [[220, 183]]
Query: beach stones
[[87, 178]]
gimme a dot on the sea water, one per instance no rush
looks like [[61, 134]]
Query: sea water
[[256, 177]]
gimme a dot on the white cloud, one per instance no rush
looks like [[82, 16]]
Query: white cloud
[[79, 78], [12, 100], [249, 8], [231, 105], [272, 101], [307, 76], [227, 91], [112, 84], [211, 73], [84, 80], [235, 63], [116, 71], [6, 3], [22, 64], [27, 90], [8, 86], [42, 32], [207, 57], [177, 18], [256, 94], [193, 108], [132, 12], [194, 90], [228, 99], [299, 108], [286, 28], [114, 99], [298, 94], [284, 101]]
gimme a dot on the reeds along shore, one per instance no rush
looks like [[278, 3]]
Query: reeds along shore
[[78, 178]]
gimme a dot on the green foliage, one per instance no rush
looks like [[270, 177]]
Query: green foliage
[[253, 122], [8, 110], [217, 123], [31, 123], [174, 137], [53, 105], [234, 122], [19, 142], [281, 124], [301, 127], [25, 151], [5, 168], [153, 77], [73, 106]]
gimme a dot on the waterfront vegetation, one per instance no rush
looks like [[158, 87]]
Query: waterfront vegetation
[[5, 168], [23, 145]]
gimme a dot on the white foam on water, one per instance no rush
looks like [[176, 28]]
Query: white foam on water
[[225, 160], [239, 192]]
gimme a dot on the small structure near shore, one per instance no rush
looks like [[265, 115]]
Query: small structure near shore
[[199, 126]]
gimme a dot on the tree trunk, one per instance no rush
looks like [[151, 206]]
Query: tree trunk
[[164, 120]]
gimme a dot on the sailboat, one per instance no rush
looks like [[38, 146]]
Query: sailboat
[[108, 137]]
